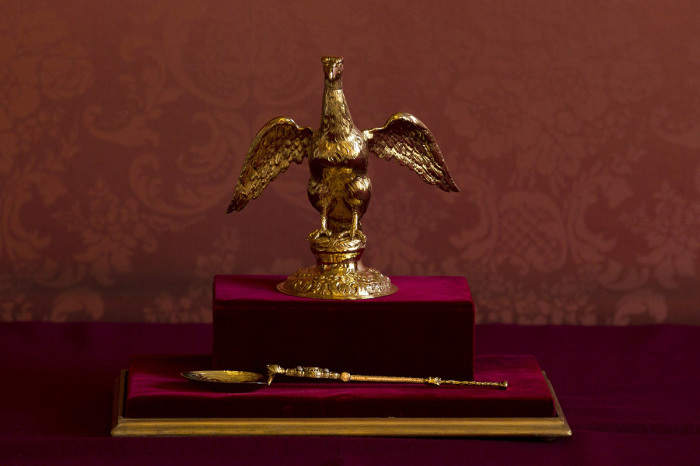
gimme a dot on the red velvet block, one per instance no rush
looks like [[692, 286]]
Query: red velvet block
[[157, 390], [424, 329]]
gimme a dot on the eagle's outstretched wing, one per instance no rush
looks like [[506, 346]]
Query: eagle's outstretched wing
[[406, 139], [279, 143]]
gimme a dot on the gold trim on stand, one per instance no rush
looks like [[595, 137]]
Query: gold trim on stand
[[546, 427]]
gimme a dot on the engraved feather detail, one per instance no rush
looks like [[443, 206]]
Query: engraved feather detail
[[279, 143], [407, 140]]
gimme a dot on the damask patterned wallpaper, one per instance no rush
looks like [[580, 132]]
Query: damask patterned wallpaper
[[572, 129]]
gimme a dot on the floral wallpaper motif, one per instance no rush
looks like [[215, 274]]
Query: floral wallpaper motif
[[572, 129]]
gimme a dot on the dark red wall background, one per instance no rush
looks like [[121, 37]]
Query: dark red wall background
[[573, 129]]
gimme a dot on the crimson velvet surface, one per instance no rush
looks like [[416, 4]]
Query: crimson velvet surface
[[157, 390], [426, 327], [629, 395]]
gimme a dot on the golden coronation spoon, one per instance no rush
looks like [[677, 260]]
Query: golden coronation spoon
[[255, 379]]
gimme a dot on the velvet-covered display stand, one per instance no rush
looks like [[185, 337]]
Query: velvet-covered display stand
[[154, 399], [426, 329], [156, 389]]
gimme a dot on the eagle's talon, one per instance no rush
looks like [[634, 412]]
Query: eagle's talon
[[353, 235], [320, 233], [357, 234]]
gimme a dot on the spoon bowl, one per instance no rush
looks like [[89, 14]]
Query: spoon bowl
[[229, 380]]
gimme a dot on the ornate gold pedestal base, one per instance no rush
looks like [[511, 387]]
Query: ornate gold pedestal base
[[338, 273], [314, 282]]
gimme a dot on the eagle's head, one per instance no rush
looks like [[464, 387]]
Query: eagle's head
[[333, 70]]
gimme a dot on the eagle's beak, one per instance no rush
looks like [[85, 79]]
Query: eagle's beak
[[334, 73]]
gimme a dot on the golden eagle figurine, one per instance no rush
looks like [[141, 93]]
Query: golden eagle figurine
[[339, 187]]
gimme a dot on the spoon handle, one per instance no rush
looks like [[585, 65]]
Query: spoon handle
[[319, 373]]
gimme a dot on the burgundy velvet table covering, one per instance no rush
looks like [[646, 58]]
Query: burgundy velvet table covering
[[629, 394], [426, 327], [157, 390]]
